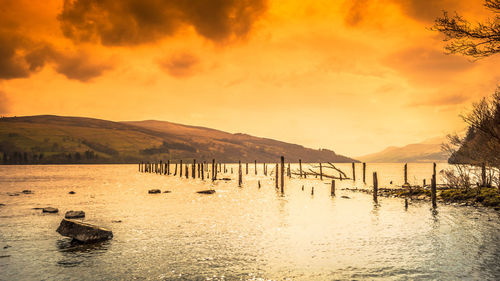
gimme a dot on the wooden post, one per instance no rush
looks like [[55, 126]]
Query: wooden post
[[213, 169], [180, 169], [139, 167], [161, 167], [282, 174], [300, 167], [258, 183], [433, 191], [225, 170], [333, 188], [364, 172], [406, 203], [375, 187], [240, 176], [406, 173], [247, 168], [187, 171], [194, 169], [312, 190], [264, 168], [483, 174], [277, 173], [231, 170], [175, 171], [202, 171], [353, 172], [320, 172], [423, 183], [255, 162]]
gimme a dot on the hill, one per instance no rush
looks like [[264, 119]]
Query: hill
[[426, 151], [58, 139]]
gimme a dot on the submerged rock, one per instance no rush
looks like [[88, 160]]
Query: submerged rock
[[74, 214], [71, 192], [50, 210], [209, 191], [83, 232], [154, 191]]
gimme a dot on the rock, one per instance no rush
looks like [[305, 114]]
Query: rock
[[37, 208], [167, 191], [83, 232], [50, 210], [226, 179], [2, 204], [116, 221], [154, 191], [7, 246], [209, 191], [345, 197], [74, 214], [27, 191], [12, 194], [4, 256], [71, 192]]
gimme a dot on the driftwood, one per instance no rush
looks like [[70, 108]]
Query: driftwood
[[328, 165]]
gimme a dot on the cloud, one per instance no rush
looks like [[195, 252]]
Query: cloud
[[79, 66], [132, 22], [4, 103], [441, 99], [360, 11], [426, 65], [180, 65]]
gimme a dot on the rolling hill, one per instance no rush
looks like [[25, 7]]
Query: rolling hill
[[57, 139], [426, 151]]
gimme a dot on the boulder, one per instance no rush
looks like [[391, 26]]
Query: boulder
[[74, 214], [71, 192], [209, 191], [154, 191], [83, 232], [50, 210]]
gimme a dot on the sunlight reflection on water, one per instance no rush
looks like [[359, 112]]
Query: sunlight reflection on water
[[237, 233]]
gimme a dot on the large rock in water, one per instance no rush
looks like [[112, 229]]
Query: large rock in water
[[83, 232], [50, 210], [74, 214]]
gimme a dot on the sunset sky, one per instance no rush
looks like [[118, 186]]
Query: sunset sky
[[352, 76]]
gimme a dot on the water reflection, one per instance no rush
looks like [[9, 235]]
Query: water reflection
[[74, 253]]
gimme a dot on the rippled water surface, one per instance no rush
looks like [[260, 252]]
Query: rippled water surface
[[237, 233]]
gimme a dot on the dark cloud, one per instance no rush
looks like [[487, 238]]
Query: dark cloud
[[80, 66], [359, 11], [426, 65], [180, 65], [131, 22]]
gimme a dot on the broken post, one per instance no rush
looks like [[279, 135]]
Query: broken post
[[332, 192], [320, 172], [240, 176], [364, 172], [353, 172], [277, 176], [375, 187], [406, 173], [246, 169], [433, 191], [255, 162], [180, 169], [300, 167], [194, 169], [282, 174]]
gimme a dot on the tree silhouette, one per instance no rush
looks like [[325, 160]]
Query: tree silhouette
[[473, 40]]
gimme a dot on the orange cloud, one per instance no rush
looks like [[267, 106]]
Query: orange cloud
[[180, 65]]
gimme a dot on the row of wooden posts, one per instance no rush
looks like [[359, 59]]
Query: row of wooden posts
[[202, 167]]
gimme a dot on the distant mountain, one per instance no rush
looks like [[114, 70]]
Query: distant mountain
[[426, 151], [57, 139]]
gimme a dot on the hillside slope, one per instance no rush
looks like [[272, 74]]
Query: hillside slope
[[57, 139], [426, 151]]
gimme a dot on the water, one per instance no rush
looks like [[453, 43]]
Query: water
[[238, 233]]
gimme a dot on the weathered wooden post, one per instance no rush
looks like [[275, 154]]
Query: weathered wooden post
[[240, 176], [187, 171], [194, 169], [406, 203], [320, 172], [246, 169], [423, 183], [406, 173], [180, 169], [161, 167], [213, 169], [199, 169], [483, 175], [265, 168], [258, 183], [231, 170], [375, 187], [312, 190], [282, 174], [353, 172], [333, 188], [277, 173], [255, 164], [139, 167], [300, 167], [168, 167], [202, 170], [433, 191], [289, 171], [175, 171], [225, 170], [364, 172]]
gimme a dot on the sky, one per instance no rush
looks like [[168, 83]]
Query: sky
[[353, 76]]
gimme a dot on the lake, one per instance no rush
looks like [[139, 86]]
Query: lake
[[237, 233]]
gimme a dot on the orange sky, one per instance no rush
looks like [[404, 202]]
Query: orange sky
[[352, 76]]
